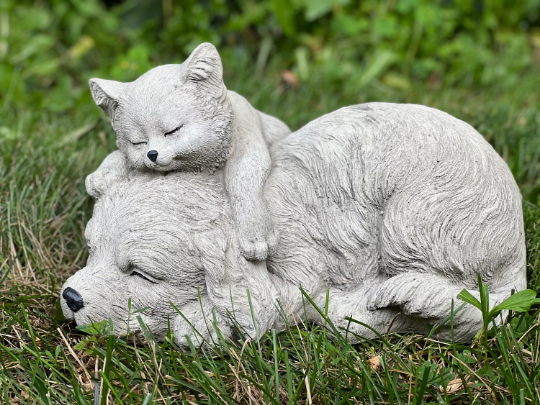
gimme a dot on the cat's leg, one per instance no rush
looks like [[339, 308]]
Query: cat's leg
[[111, 170], [245, 174]]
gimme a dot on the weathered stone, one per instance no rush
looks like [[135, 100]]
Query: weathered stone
[[393, 209]]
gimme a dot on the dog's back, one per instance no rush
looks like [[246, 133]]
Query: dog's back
[[375, 191]]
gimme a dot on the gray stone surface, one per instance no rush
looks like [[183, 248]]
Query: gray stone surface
[[392, 208], [182, 117]]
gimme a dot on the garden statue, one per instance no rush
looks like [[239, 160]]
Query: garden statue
[[182, 117], [390, 209]]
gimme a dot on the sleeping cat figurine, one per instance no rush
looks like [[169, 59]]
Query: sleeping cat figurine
[[183, 118]]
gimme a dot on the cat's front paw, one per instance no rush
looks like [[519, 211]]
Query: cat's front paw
[[255, 250], [258, 245]]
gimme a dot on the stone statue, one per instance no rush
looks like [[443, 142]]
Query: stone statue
[[391, 208], [181, 117]]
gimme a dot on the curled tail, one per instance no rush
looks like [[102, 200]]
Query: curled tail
[[430, 296]]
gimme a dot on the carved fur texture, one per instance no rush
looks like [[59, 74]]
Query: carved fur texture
[[182, 118], [392, 208]]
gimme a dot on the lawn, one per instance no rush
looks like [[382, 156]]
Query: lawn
[[45, 157], [296, 60]]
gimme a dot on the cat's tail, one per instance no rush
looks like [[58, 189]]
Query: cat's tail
[[273, 128]]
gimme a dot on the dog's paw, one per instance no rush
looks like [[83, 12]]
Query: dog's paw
[[200, 333], [186, 336], [400, 291], [386, 295]]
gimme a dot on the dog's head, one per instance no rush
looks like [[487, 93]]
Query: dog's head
[[151, 240], [174, 117]]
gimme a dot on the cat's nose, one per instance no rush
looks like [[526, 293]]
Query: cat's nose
[[73, 299], [152, 155]]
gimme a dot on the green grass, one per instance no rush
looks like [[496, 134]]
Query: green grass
[[43, 211]]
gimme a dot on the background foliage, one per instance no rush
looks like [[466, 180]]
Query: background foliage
[[296, 59], [49, 49]]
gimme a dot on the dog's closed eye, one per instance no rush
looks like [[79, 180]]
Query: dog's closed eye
[[174, 130], [136, 273]]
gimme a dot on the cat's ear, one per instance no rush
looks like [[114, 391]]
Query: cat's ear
[[106, 94], [204, 68]]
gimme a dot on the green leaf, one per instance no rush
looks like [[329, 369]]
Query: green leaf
[[466, 296], [80, 346], [285, 15], [96, 328], [483, 288], [519, 302]]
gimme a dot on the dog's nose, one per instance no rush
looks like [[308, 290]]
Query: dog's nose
[[73, 299], [152, 155]]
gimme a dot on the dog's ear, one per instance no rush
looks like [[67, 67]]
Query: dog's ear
[[204, 68], [106, 94], [211, 247]]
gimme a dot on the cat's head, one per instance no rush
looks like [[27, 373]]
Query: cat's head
[[173, 117]]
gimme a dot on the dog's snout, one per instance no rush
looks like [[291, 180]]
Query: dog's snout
[[73, 299], [152, 155]]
